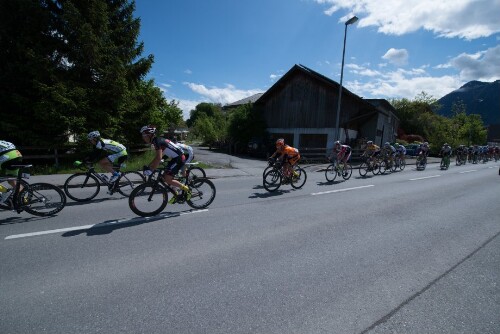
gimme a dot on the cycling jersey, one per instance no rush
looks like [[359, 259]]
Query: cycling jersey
[[401, 150], [9, 156], [169, 149], [343, 153], [372, 150], [290, 154], [188, 151], [446, 150], [114, 151]]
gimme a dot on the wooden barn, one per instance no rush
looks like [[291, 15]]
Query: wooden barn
[[301, 107]]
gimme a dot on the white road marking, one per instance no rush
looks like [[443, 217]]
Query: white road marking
[[425, 177], [468, 171], [340, 190], [109, 223]]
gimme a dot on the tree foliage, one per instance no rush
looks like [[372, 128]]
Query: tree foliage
[[417, 117], [208, 123], [72, 67], [244, 123]]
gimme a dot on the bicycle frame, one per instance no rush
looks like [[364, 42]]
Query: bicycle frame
[[16, 203]]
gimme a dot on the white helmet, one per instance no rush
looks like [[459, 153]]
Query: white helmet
[[93, 135], [149, 129]]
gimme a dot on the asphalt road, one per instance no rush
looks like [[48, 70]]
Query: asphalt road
[[411, 252]]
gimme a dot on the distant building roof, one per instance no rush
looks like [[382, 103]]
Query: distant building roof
[[250, 99]]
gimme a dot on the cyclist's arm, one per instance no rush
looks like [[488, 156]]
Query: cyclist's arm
[[156, 160]]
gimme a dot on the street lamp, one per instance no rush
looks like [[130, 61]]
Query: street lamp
[[337, 131]]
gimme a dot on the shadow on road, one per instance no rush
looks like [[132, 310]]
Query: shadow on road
[[109, 226]]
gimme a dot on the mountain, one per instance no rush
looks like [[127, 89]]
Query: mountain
[[481, 98]]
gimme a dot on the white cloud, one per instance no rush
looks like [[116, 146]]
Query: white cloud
[[482, 66], [224, 95], [468, 19], [188, 71], [396, 56]]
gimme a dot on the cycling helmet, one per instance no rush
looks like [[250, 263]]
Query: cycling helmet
[[446, 144], [369, 142], [426, 144], [396, 145], [337, 143], [93, 135], [387, 144], [148, 129], [280, 142]]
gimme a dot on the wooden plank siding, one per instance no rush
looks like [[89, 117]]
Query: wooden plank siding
[[304, 102]]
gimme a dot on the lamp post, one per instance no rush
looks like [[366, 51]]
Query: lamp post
[[337, 131]]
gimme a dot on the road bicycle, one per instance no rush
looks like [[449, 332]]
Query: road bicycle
[[39, 199], [150, 198], [338, 169], [192, 170], [276, 176], [421, 162], [84, 186], [399, 163], [387, 165], [369, 165], [445, 162], [461, 159]]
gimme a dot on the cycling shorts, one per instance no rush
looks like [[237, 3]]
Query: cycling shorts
[[118, 158], [175, 165], [292, 159]]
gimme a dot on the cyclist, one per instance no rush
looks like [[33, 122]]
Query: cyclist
[[115, 153], [400, 151], [371, 150], [446, 152], [389, 152], [341, 152], [289, 155], [9, 156], [423, 151], [164, 147], [461, 151]]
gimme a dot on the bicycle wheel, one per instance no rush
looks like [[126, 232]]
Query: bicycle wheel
[[347, 172], [402, 164], [272, 180], [382, 167], [267, 169], [128, 181], [330, 173], [196, 173], [376, 167], [82, 187], [202, 193], [299, 180], [363, 169], [148, 199], [42, 199]]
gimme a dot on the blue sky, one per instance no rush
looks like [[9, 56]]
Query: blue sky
[[224, 50]]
